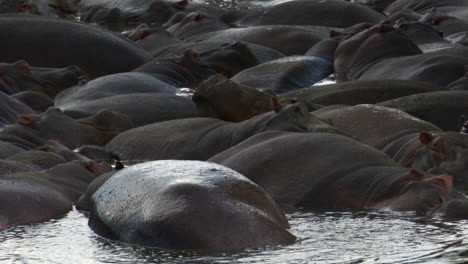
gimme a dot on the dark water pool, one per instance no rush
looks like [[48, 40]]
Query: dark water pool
[[372, 237]]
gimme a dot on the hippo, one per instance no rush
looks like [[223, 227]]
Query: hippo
[[19, 77], [200, 138], [434, 152], [8, 149], [118, 15], [32, 130], [285, 74], [359, 92], [319, 13], [112, 85], [93, 48], [419, 33], [239, 53], [441, 108], [10, 108], [184, 71], [29, 197], [140, 108], [365, 178], [196, 23], [359, 122], [395, 57], [49, 8], [164, 204], [37, 101], [456, 8], [220, 97], [288, 40]]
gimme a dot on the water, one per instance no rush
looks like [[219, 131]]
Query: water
[[365, 237]]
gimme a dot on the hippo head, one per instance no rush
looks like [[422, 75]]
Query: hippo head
[[51, 124], [425, 154], [423, 194], [445, 152], [222, 98], [353, 55], [230, 58], [16, 77], [296, 118], [158, 12], [50, 8]]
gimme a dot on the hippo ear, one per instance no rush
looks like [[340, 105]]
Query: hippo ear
[[276, 106], [180, 5], [443, 181], [22, 66], [28, 120], [425, 137], [415, 175]]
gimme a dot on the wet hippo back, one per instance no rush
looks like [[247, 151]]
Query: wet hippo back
[[96, 51]]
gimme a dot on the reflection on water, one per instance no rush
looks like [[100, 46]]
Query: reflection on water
[[372, 237]]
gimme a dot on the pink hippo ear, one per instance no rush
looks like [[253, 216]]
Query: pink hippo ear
[[425, 137], [415, 175], [23, 66], [28, 120]]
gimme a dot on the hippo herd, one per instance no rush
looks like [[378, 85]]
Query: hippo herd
[[189, 125]]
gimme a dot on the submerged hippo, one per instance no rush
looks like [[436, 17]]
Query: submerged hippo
[[334, 172], [186, 205], [29, 197]]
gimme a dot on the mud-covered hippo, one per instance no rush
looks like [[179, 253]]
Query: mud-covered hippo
[[190, 205], [222, 98], [334, 173], [30, 197], [200, 138], [92, 49]]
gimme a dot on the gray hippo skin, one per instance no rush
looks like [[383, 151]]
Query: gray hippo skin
[[438, 152], [289, 40], [10, 108], [164, 204], [285, 74], [359, 92], [19, 77], [111, 85], [330, 13], [90, 48], [334, 173], [32, 130], [441, 108], [40, 196], [141, 108], [201, 138], [360, 121]]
